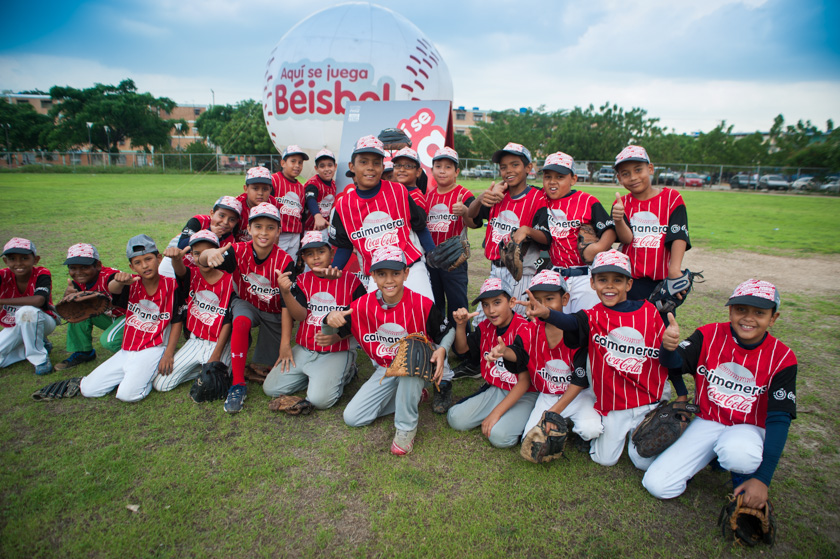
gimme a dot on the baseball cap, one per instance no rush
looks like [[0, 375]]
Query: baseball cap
[[313, 239], [631, 153], [756, 293], [513, 149], [611, 261], [204, 236], [559, 162], [228, 203], [446, 153], [324, 153], [295, 150], [388, 258], [408, 153], [81, 253], [491, 288], [369, 144], [264, 210], [387, 166], [139, 245], [549, 280], [258, 175], [18, 245]]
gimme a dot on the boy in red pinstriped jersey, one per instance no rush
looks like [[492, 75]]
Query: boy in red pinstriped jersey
[[407, 170], [208, 294], [152, 327], [319, 192], [651, 223], [289, 194], [258, 189], [745, 385], [624, 340]]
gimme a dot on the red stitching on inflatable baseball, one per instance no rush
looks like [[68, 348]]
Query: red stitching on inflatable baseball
[[420, 85], [421, 50], [408, 87], [414, 58], [424, 73], [412, 70], [427, 62]]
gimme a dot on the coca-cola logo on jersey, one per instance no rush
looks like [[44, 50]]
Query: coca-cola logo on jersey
[[290, 205], [146, 316], [731, 386], [325, 205], [260, 287], [9, 316], [503, 225], [440, 218], [557, 375], [559, 225], [499, 371], [387, 335], [626, 350], [321, 89], [319, 306], [647, 231], [378, 230], [205, 306]]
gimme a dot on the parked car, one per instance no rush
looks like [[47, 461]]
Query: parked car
[[691, 179], [582, 171], [832, 186], [774, 182], [604, 174], [479, 172], [744, 180], [668, 177], [805, 183]]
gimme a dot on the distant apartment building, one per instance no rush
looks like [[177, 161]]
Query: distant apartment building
[[464, 120]]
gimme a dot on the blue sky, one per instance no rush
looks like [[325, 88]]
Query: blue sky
[[692, 64]]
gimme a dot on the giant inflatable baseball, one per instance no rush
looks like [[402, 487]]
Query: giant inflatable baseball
[[346, 53]]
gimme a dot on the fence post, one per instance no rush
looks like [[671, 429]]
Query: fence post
[[190, 155], [163, 158]]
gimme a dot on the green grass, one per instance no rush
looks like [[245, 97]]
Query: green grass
[[265, 485]]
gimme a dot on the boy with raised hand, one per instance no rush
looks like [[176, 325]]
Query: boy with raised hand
[[290, 193], [568, 211], [745, 385], [152, 327], [258, 190], [320, 363], [88, 274], [502, 406], [319, 192], [625, 344], [256, 266], [378, 321], [208, 294], [651, 223], [25, 307]]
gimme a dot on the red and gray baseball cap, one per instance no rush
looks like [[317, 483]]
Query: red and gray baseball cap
[[611, 261], [139, 245], [387, 166], [204, 236], [81, 253], [549, 280], [369, 144], [388, 258], [258, 175], [314, 239], [294, 150], [408, 153], [493, 287], [325, 153], [446, 153], [18, 245], [229, 203], [512, 149], [631, 153], [560, 162], [264, 210], [756, 293]]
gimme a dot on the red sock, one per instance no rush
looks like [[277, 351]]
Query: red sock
[[239, 348]]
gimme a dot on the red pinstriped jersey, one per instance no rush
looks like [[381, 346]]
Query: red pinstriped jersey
[[655, 222], [257, 283], [377, 329], [289, 195], [734, 385], [496, 373], [552, 370], [565, 216], [384, 220], [324, 196], [624, 357], [207, 305], [509, 215], [419, 198], [322, 297], [148, 316], [101, 285], [441, 222], [9, 290], [243, 236]]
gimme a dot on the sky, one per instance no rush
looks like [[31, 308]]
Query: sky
[[692, 64]]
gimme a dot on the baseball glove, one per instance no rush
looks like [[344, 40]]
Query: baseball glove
[[292, 405], [449, 254], [256, 373], [413, 358], [546, 440], [66, 388], [586, 236], [81, 305], [664, 295], [662, 426], [511, 257], [212, 383], [748, 526]]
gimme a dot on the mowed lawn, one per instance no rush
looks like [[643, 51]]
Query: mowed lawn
[[202, 483]]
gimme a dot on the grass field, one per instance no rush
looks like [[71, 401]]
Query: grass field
[[260, 484]]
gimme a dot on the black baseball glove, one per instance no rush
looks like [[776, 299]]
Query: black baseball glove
[[546, 440], [212, 383], [748, 526], [66, 388], [449, 254], [662, 426], [511, 256], [413, 358], [664, 295]]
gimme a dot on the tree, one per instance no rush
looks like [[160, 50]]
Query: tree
[[25, 128], [203, 157], [245, 133], [127, 114], [464, 146], [212, 121]]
